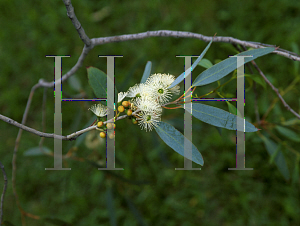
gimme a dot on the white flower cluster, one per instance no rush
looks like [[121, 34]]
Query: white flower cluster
[[146, 97], [149, 96], [100, 110]]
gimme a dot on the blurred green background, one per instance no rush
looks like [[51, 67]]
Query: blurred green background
[[149, 191]]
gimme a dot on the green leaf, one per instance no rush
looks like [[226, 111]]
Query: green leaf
[[205, 63], [258, 79], [37, 151], [147, 72], [220, 118], [288, 133], [98, 82], [273, 156], [250, 83], [181, 77], [175, 140], [293, 121], [223, 68], [232, 109], [296, 170], [279, 159]]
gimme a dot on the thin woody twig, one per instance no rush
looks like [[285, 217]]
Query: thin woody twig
[[51, 135], [164, 33], [84, 53], [275, 89], [14, 160], [184, 34], [71, 14], [4, 190], [43, 117]]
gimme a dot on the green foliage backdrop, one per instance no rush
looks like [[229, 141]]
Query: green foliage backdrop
[[149, 191]]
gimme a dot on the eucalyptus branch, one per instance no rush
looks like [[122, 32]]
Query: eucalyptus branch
[[184, 34], [84, 53], [52, 135], [71, 14], [164, 33]]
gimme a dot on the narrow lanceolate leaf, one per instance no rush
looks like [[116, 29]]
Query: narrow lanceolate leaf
[[220, 118], [205, 63], [258, 79], [289, 134], [98, 82], [181, 77], [37, 151], [232, 109], [296, 170], [147, 72], [279, 158], [175, 140], [223, 68]]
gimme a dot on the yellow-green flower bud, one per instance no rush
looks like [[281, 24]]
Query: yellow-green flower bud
[[125, 104], [99, 124], [111, 136], [121, 108], [129, 112], [134, 121], [102, 135], [109, 125]]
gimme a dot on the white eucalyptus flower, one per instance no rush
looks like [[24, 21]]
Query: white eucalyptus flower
[[145, 103], [148, 120], [167, 80], [138, 90], [159, 92], [121, 96], [158, 87], [99, 109]]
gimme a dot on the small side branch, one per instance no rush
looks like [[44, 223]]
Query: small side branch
[[275, 89], [51, 135], [71, 14]]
